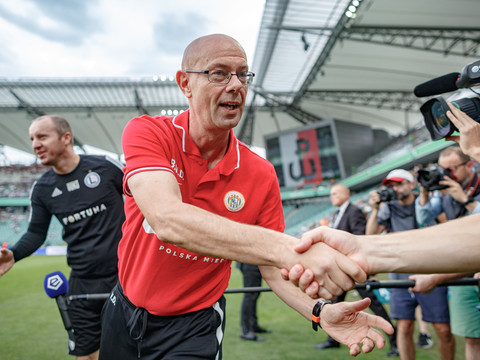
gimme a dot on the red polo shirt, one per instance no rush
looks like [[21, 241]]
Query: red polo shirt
[[166, 279]]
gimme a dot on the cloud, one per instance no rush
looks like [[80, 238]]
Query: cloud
[[65, 22], [172, 33], [74, 38]]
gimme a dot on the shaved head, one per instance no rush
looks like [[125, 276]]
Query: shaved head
[[339, 194], [199, 51]]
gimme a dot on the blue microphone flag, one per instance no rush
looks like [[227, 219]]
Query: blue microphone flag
[[55, 284]]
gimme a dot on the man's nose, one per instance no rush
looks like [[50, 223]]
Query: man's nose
[[234, 83], [35, 143]]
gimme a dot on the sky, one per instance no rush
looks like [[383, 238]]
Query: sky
[[134, 38], [115, 38]]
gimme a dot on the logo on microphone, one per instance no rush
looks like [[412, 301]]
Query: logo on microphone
[[54, 282]]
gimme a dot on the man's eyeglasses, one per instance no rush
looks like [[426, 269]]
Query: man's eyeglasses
[[223, 77], [455, 167]]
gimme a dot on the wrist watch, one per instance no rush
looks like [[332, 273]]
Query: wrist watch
[[317, 309], [469, 200]]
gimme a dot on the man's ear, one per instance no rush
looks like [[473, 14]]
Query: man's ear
[[183, 83], [469, 166], [68, 138]]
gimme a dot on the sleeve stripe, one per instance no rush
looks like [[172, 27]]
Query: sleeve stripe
[[136, 171], [114, 162]]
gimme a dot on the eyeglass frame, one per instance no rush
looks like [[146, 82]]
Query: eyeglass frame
[[454, 168], [249, 76]]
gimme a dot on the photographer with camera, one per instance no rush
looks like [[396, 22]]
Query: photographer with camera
[[393, 210], [458, 196]]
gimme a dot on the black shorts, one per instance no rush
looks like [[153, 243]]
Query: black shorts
[[130, 332], [85, 315]]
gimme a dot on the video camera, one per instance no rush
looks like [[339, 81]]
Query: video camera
[[434, 110], [430, 178]]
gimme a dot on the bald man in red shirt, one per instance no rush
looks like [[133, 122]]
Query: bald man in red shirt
[[197, 198]]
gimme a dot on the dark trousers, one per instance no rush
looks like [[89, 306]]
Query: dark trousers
[[251, 278], [377, 308], [130, 332]]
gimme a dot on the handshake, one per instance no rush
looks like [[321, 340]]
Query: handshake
[[330, 263]]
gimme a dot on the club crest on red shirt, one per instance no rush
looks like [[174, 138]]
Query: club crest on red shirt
[[234, 201]]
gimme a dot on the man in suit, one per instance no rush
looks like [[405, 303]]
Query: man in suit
[[350, 218]]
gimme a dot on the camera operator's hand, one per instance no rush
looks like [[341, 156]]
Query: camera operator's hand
[[469, 139], [454, 189], [424, 196], [374, 199]]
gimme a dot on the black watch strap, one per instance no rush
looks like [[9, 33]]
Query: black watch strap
[[317, 309], [469, 200]]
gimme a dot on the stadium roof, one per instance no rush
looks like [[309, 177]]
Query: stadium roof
[[97, 109], [315, 59]]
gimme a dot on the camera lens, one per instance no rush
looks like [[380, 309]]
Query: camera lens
[[441, 122], [435, 115]]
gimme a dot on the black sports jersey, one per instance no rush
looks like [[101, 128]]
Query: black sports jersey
[[88, 203]]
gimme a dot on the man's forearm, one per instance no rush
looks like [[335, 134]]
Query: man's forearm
[[27, 245], [286, 291], [446, 248], [372, 224], [220, 237]]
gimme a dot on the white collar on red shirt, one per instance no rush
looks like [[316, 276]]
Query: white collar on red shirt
[[230, 161]]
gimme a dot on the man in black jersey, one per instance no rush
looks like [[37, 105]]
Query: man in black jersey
[[84, 192]]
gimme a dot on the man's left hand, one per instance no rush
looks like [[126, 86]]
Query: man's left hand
[[347, 323]]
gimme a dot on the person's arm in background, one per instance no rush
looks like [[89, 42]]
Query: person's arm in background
[[373, 227], [425, 283], [405, 251], [427, 208]]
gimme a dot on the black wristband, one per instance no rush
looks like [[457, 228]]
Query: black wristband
[[317, 309], [469, 200]]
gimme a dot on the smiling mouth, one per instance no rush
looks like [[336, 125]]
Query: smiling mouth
[[230, 106]]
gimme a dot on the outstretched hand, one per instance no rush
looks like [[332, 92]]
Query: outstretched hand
[[342, 241], [348, 324], [6, 260]]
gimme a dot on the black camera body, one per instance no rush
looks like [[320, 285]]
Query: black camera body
[[387, 194], [430, 179], [434, 111]]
